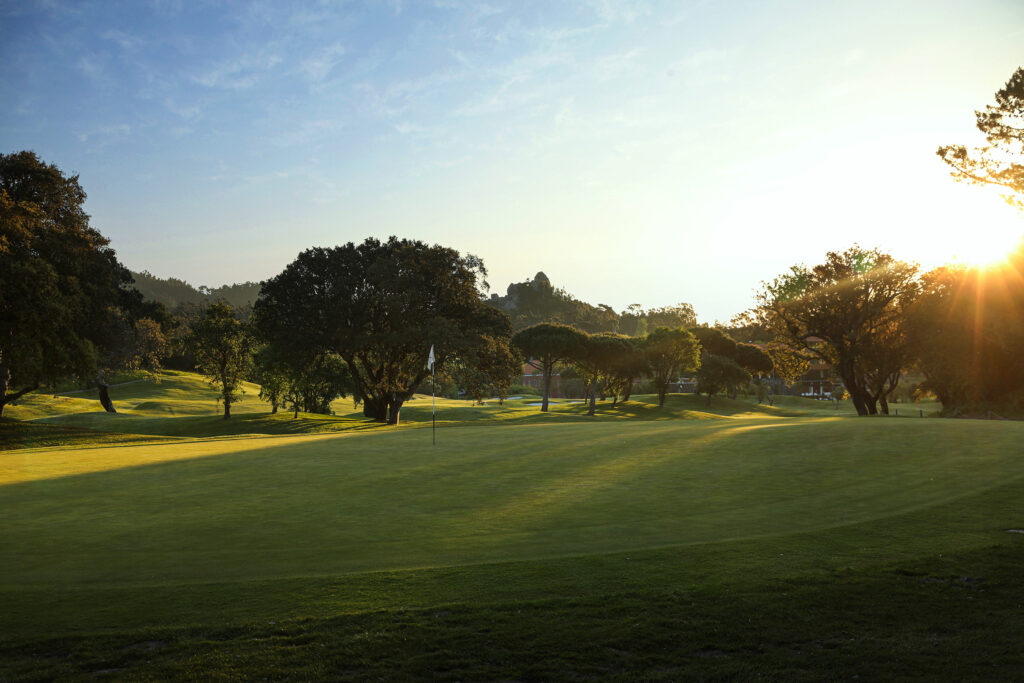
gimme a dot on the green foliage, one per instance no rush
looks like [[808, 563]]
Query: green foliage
[[224, 351], [549, 344], [719, 373], [522, 390], [626, 368], [753, 359], [599, 356], [380, 306], [847, 311], [1001, 162], [488, 368], [670, 353], [714, 341], [59, 280]]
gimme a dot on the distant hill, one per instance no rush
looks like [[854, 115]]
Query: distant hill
[[175, 293]]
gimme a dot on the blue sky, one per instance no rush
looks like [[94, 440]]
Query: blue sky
[[637, 152]]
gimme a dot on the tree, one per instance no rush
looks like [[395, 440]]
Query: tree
[[58, 278], [753, 359], [636, 322], [837, 311], [596, 360], [714, 341], [488, 369], [124, 344], [1001, 161], [380, 306], [669, 353], [269, 373], [625, 369], [224, 348], [547, 344], [967, 331], [719, 373]]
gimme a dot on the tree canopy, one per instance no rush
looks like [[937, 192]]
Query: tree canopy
[[597, 361], [59, 279], [380, 306], [547, 344], [842, 311], [669, 353], [224, 351]]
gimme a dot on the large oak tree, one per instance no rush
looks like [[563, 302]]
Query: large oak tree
[[844, 311], [380, 305], [59, 280]]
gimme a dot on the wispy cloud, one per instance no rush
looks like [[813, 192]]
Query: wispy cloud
[[238, 73], [317, 68], [117, 130], [125, 41]]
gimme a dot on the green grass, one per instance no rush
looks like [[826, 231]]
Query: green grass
[[18, 435], [746, 541]]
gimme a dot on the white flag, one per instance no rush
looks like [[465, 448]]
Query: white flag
[[430, 359]]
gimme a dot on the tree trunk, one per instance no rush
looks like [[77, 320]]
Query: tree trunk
[[5, 380], [857, 393], [709, 400], [593, 395], [105, 401], [227, 409], [883, 404], [394, 410], [547, 388], [273, 407], [628, 390], [375, 408], [662, 391]]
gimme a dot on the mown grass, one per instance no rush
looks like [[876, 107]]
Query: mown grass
[[782, 542], [16, 435], [182, 404]]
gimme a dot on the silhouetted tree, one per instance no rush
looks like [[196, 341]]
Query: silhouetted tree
[[1001, 162], [837, 310]]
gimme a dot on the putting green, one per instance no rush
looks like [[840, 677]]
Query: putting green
[[273, 507]]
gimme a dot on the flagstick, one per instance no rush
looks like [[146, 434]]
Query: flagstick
[[433, 411]]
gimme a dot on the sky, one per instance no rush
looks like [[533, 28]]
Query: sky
[[635, 151]]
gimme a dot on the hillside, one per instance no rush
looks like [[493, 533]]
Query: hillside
[[173, 293]]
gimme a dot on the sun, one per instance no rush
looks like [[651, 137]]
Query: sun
[[983, 247]]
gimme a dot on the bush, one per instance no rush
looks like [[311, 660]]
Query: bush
[[522, 390]]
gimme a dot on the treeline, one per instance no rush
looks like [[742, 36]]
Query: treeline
[[178, 295], [609, 363], [537, 300]]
